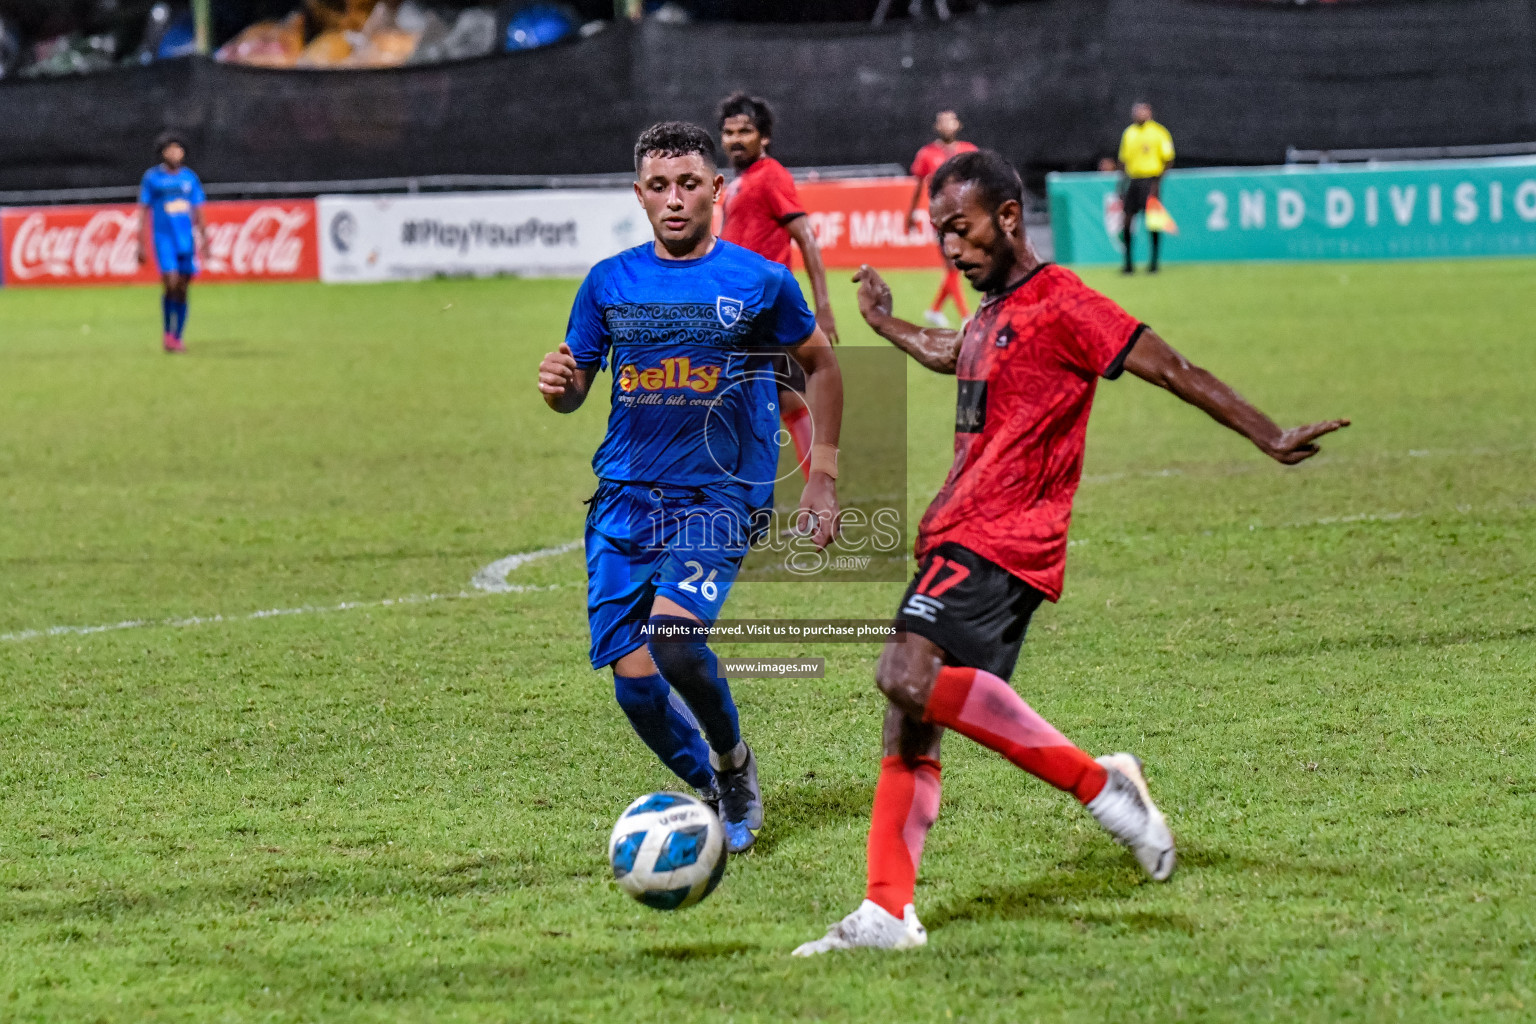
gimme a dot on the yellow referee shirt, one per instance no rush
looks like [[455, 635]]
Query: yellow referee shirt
[[1145, 150]]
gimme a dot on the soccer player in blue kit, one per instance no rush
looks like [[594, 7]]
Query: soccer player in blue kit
[[171, 209], [687, 467]]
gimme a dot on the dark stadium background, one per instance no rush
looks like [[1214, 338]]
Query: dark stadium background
[[1047, 82]]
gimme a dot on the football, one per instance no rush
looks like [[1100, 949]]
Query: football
[[667, 850]]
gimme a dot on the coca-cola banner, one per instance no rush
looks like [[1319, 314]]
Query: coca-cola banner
[[58, 245]]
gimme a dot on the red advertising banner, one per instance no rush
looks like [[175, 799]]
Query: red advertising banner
[[864, 220], [61, 245]]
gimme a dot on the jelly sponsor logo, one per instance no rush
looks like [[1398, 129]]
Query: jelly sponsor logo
[[677, 372]]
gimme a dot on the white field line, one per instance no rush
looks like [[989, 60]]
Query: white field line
[[490, 580], [493, 578]]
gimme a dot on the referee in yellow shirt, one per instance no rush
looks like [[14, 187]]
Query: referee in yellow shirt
[[1146, 151]]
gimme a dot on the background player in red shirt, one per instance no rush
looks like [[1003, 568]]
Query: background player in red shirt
[[993, 544], [763, 213], [929, 159]]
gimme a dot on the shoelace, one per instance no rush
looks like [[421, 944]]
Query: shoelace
[[1126, 817], [735, 796]]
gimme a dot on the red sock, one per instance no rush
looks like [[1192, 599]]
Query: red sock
[[798, 423], [906, 803], [981, 706]]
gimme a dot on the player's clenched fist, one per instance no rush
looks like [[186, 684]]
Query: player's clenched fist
[[557, 377], [558, 371]]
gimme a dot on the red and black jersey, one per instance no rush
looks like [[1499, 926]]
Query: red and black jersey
[[1029, 363], [759, 203]]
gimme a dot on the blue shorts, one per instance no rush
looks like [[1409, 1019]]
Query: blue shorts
[[642, 541], [172, 259]]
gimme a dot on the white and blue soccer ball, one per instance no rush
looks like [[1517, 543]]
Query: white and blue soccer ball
[[667, 850]]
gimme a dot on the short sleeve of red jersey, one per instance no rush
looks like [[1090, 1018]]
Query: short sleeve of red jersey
[[923, 164], [780, 195], [1096, 333]]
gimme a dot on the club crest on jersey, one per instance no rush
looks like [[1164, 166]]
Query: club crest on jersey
[[728, 310], [1004, 336]]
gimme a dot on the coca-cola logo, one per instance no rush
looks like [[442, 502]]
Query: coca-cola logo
[[105, 246], [267, 242]]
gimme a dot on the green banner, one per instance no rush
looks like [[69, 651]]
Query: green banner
[[1429, 209]]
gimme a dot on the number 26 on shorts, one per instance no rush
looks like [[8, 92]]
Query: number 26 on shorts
[[708, 589]]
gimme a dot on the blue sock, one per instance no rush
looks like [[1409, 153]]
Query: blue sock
[[667, 727], [690, 666], [166, 305], [179, 321]]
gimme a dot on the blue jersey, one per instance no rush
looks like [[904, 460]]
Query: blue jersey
[[171, 197], [689, 343]]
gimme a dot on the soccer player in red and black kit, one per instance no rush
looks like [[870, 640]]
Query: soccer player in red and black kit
[[993, 544], [763, 213], [929, 159]]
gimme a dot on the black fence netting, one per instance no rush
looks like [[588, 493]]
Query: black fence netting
[[1048, 83]]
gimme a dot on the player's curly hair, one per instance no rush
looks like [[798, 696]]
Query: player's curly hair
[[754, 108], [993, 177], [674, 138], [165, 138]]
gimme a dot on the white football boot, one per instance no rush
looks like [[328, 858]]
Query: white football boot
[[870, 926], [936, 318], [1127, 812]]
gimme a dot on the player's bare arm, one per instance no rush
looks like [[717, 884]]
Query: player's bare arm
[[563, 384], [937, 348], [800, 230], [143, 215], [824, 397], [199, 229], [1155, 361], [917, 196]]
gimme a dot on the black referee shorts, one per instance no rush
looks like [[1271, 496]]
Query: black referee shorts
[[1137, 192], [972, 608]]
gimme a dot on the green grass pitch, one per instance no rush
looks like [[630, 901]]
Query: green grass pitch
[[399, 812]]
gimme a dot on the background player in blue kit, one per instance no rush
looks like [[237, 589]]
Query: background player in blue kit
[[171, 210], [690, 457]]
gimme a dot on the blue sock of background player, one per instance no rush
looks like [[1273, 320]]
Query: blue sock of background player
[[167, 313], [179, 321], [666, 725]]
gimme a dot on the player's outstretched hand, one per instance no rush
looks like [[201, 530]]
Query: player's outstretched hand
[[819, 511], [557, 372], [874, 294], [1299, 443]]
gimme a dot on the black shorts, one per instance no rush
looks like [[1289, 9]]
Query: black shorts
[[1137, 192], [972, 608]]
